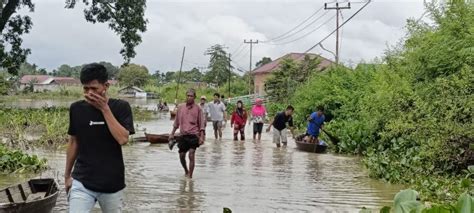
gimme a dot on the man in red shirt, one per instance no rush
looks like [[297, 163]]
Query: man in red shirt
[[189, 120]]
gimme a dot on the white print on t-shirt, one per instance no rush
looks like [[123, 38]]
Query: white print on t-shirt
[[96, 123]]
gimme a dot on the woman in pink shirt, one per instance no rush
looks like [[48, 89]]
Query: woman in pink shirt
[[258, 114]]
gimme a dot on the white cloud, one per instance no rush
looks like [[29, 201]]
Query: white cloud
[[62, 36]]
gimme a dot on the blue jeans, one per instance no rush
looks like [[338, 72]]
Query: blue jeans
[[83, 200]]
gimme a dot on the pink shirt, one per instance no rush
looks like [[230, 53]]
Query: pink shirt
[[189, 119]]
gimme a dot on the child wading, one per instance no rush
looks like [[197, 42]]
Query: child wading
[[238, 120]]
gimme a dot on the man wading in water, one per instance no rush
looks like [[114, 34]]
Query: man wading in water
[[98, 127], [279, 126], [190, 121], [218, 115]]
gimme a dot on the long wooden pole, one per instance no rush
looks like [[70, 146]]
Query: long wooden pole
[[179, 77]]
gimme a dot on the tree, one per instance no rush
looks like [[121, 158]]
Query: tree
[[263, 61], [124, 17], [11, 53], [193, 75], [27, 69], [111, 69], [284, 81], [4, 83], [133, 75], [219, 65], [169, 76]]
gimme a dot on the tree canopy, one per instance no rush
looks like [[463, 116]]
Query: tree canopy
[[133, 75], [124, 17], [219, 65]]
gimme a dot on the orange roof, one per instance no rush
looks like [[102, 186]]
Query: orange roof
[[270, 67]]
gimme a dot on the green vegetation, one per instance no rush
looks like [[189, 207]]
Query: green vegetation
[[284, 81], [50, 124], [17, 161], [133, 75], [168, 91], [67, 92], [406, 202], [411, 115]]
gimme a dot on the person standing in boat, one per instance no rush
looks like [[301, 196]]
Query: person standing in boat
[[218, 115], [279, 126], [258, 114], [315, 124], [238, 120], [189, 120], [98, 127]]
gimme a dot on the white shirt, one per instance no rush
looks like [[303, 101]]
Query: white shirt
[[216, 111]]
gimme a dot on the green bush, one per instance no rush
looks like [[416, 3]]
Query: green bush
[[17, 161], [411, 116]]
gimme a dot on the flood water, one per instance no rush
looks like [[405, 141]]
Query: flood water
[[246, 176]]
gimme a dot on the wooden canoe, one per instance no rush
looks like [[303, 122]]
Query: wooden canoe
[[139, 139], [35, 195], [158, 138], [310, 147]]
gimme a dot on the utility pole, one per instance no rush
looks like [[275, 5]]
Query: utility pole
[[337, 8], [179, 77], [230, 74], [251, 42]]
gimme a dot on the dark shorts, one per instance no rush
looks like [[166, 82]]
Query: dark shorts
[[257, 128], [187, 142], [217, 125]]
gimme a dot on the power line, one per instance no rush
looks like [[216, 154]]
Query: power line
[[337, 8], [308, 33], [251, 42], [296, 27], [237, 49], [240, 51], [242, 56], [305, 27], [317, 44]]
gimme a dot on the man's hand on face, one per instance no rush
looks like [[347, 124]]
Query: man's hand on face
[[98, 101]]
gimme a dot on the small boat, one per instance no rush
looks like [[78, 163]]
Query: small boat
[[158, 138], [139, 139], [36, 195], [310, 147]]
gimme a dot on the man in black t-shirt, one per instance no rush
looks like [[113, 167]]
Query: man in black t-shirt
[[279, 126], [98, 127]]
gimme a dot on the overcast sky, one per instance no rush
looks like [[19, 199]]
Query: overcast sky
[[62, 36]]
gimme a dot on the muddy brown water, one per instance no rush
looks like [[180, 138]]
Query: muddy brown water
[[245, 176]]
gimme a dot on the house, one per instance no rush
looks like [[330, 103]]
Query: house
[[132, 92], [43, 83], [261, 74]]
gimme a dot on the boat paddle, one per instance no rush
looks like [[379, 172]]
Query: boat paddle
[[331, 137]]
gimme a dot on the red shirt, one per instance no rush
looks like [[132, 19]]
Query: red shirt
[[189, 119], [239, 119]]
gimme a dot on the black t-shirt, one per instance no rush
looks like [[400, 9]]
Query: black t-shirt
[[279, 122], [99, 163]]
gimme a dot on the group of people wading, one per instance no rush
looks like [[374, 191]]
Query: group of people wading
[[99, 126]]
